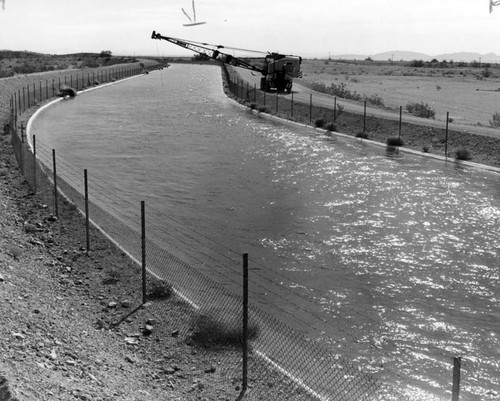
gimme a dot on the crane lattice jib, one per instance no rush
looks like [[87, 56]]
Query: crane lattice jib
[[212, 52]]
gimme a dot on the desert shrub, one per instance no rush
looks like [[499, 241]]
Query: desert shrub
[[339, 90], [253, 106], [425, 149], [375, 100], [319, 123], [420, 110], [221, 326], [331, 127], [395, 141], [362, 135], [112, 276], [495, 121], [463, 154], [263, 109], [159, 289]]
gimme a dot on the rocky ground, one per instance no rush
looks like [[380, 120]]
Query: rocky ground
[[57, 339]]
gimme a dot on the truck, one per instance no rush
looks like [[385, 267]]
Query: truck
[[278, 70]]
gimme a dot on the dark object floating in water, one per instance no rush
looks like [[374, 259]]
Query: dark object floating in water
[[66, 91]]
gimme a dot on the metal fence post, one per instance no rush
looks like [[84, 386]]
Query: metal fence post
[[457, 362], [291, 108], [143, 247], [335, 109], [56, 206], [364, 118], [400, 119], [245, 324], [87, 219], [446, 136], [310, 107], [21, 153], [34, 164]]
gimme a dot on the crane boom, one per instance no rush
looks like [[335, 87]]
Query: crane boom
[[278, 70], [213, 53]]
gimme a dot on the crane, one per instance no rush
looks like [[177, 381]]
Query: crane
[[278, 70]]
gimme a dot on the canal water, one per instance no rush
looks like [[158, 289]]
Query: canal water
[[392, 260]]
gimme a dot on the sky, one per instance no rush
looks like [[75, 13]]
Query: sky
[[309, 28]]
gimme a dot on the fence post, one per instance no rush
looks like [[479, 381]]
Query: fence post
[[277, 97], [310, 107], [264, 97], [245, 324], [335, 109], [56, 206], [400, 119], [87, 220], [34, 164], [21, 153], [456, 379], [143, 247], [364, 118], [291, 108], [446, 136]]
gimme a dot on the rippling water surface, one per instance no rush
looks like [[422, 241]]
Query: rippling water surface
[[393, 260]]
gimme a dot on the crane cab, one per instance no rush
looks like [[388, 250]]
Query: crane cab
[[278, 72]]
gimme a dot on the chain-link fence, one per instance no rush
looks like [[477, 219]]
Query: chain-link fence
[[269, 359]]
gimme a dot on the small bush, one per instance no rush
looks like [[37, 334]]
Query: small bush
[[253, 106], [159, 289], [362, 135], [221, 326], [463, 154], [394, 141], [420, 110], [375, 100], [263, 109], [331, 127], [319, 123], [425, 149], [112, 276], [495, 121]]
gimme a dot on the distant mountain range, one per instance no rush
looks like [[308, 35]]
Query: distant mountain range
[[398, 55]]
